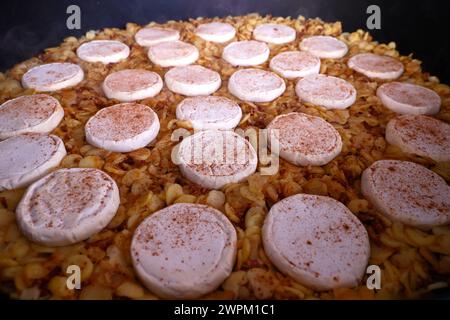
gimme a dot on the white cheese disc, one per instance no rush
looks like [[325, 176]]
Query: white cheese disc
[[407, 98], [173, 53], [193, 80], [407, 192], [37, 113], [53, 76], [295, 64], [149, 36], [304, 139], [132, 84], [27, 157], [256, 85], [326, 91], [421, 135], [184, 251], [216, 32], [317, 241], [246, 53], [214, 158], [274, 33], [123, 127], [104, 51], [209, 112], [67, 206], [376, 66], [325, 47]]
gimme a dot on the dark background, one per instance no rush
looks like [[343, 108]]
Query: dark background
[[419, 27]]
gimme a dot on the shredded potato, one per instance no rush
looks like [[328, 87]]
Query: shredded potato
[[413, 262]]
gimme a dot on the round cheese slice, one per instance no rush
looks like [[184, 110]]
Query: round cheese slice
[[123, 127], [193, 80], [304, 140], [38, 113], [421, 135], [376, 66], [246, 53], [67, 206], [152, 35], [53, 76], [274, 33], [295, 64], [407, 192], [209, 112], [216, 32], [407, 98], [317, 241], [214, 158], [104, 51], [325, 47], [256, 85], [132, 84], [184, 251], [326, 91], [28, 157], [173, 53]]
